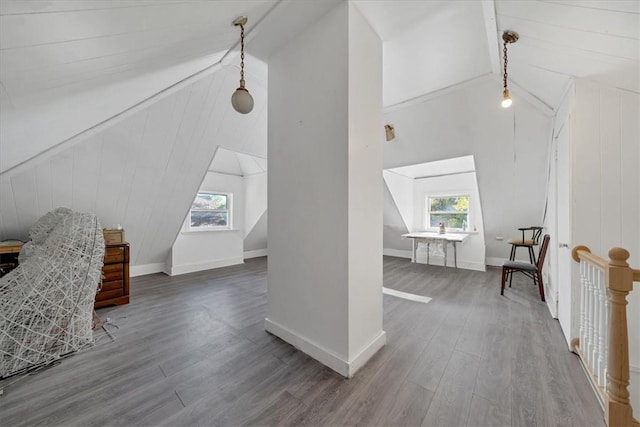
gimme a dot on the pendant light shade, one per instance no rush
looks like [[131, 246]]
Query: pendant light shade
[[241, 100]]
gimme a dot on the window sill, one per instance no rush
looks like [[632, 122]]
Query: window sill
[[209, 230], [435, 230]]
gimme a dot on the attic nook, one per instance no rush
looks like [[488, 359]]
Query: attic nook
[[122, 108]]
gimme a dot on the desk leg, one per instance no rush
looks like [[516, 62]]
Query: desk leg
[[455, 254], [445, 245], [413, 259]]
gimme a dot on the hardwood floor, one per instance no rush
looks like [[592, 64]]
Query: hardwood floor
[[191, 350]]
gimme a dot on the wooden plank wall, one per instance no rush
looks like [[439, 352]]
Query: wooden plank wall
[[606, 187], [143, 171]]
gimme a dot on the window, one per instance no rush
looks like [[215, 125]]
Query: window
[[210, 211], [453, 211]]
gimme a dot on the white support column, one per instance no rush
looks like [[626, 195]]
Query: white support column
[[325, 191]]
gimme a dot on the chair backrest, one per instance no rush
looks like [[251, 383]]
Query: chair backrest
[[543, 251], [536, 232]]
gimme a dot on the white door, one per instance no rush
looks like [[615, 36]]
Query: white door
[[563, 240]]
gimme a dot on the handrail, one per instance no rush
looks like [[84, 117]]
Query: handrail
[[583, 253], [618, 279]]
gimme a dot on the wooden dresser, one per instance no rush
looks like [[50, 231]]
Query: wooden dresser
[[115, 284]]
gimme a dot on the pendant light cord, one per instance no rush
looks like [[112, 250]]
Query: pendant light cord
[[504, 54], [241, 55]]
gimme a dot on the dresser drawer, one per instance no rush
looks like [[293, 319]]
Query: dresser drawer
[[114, 289], [105, 295], [112, 272], [113, 254], [111, 285]]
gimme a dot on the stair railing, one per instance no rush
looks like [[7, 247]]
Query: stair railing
[[603, 342]]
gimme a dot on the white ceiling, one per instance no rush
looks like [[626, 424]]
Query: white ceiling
[[230, 162], [431, 45], [428, 45], [451, 166], [67, 65]]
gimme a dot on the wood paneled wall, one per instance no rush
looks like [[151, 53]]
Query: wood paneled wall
[[143, 171], [606, 187]]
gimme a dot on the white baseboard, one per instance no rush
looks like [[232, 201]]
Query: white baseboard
[[397, 253], [192, 268], [141, 270], [467, 265], [495, 262], [439, 260], [255, 253], [367, 353], [550, 297], [324, 356]]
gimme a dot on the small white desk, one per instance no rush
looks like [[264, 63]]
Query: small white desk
[[429, 237]]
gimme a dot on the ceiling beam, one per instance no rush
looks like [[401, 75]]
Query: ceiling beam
[[491, 27]]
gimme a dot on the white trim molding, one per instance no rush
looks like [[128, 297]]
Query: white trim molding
[[144, 269], [255, 253], [326, 357], [397, 253], [192, 268], [495, 262]]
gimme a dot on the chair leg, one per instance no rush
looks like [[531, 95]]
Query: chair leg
[[540, 285], [504, 278], [510, 274], [532, 255], [512, 256]]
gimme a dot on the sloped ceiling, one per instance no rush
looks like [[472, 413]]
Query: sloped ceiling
[[66, 66], [561, 39], [431, 45], [74, 74], [231, 162]]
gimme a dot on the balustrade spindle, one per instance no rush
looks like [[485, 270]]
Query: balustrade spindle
[[603, 343]]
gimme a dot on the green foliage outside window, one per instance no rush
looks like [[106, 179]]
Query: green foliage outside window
[[453, 211], [209, 210]]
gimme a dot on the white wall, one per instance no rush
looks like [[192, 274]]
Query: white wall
[[606, 188], [365, 189], [471, 254], [324, 189], [142, 170], [510, 148], [203, 250], [557, 268], [401, 190], [255, 223]]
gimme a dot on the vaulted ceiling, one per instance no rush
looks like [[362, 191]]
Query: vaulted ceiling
[[108, 56], [139, 89]]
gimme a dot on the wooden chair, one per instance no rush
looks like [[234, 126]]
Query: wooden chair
[[525, 242], [532, 270]]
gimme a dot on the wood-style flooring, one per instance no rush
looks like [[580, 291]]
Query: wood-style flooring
[[191, 350]]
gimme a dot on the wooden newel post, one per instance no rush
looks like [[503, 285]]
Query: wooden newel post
[[619, 279]]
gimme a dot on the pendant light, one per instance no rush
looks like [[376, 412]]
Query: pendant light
[[507, 37], [241, 99]]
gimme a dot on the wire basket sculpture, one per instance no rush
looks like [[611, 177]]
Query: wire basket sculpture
[[46, 303]]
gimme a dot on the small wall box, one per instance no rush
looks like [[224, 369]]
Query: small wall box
[[113, 237]]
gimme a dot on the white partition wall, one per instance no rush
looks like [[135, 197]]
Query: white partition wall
[[606, 191], [324, 189]]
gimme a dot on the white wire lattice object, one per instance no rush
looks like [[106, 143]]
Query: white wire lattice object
[[46, 303]]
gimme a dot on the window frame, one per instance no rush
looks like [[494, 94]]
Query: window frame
[[427, 210], [229, 212]]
